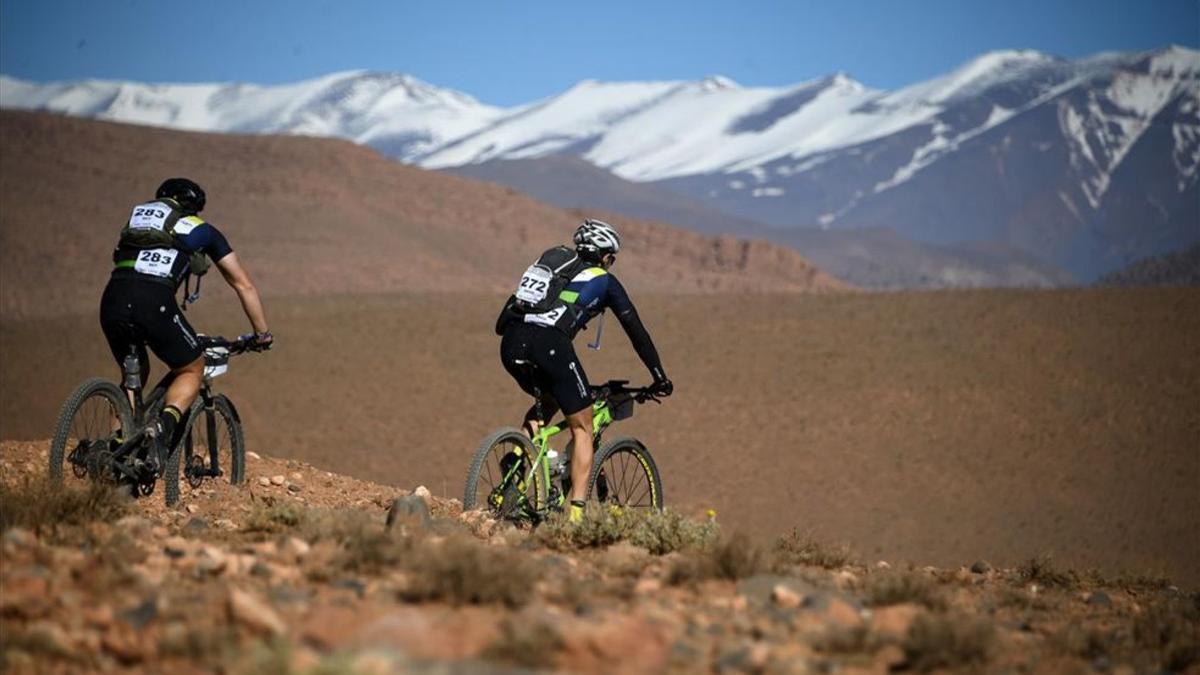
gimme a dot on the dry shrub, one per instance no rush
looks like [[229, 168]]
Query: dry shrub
[[1042, 571], [1167, 633], [273, 516], [1022, 599], [659, 532], [947, 641], [530, 643], [800, 548], [43, 505], [730, 558], [461, 570], [894, 588], [848, 640], [1087, 642]]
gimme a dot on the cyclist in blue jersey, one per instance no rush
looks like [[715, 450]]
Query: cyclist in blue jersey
[[556, 298], [162, 243]]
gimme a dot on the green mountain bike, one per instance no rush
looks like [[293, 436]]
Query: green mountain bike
[[524, 479]]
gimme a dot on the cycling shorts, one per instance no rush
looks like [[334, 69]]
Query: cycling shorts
[[558, 377], [138, 313]]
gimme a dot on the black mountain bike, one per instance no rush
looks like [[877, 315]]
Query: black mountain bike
[[524, 479], [104, 431]]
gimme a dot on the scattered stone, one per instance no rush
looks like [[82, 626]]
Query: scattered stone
[[410, 510], [192, 508], [254, 613], [141, 614], [785, 597], [278, 479], [293, 488], [211, 561], [883, 565], [894, 620], [253, 455], [1099, 598], [196, 525], [359, 588], [296, 477], [422, 492], [843, 613], [100, 616], [264, 481], [647, 586], [226, 524], [845, 579], [981, 567], [294, 547]]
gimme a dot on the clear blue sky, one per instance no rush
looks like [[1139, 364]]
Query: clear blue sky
[[505, 52]]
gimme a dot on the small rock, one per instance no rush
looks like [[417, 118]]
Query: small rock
[[140, 615], [1099, 598], [422, 492], [843, 613], [192, 508], [264, 481], [211, 561], [226, 524], [20, 538], [278, 479], [883, 565], [253, 455], [52, 636], [359, 588], [895, 620], [296, 477], [981, 567], [254, 613], [100, 616], [196, 525], [647, 586], [411, 510], [785, 597], [845, 579], [293, 488], [294, 547]]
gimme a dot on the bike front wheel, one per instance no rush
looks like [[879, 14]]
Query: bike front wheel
[[214, 446], [500, 480], [94, 415], [624, 474]]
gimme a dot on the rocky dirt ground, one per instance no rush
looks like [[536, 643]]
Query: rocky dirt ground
[[300, 571]]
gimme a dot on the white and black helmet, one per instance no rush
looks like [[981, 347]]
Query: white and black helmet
[[597, 237]]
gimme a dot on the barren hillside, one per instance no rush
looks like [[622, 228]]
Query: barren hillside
[[313, 217]]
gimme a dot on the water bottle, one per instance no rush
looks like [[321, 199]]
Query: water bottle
[[133, 372]]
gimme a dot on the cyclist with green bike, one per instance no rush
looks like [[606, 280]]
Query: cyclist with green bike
[[555, 299]]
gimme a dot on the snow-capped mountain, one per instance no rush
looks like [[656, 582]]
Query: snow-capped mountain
[[1086, 164], [397, 114]]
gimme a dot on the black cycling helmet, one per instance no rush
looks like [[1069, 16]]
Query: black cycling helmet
[[189, 195]]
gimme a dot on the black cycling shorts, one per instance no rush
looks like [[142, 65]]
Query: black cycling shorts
[[135, 312], [558, 380]]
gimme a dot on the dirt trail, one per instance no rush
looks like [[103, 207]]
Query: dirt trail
[[300, 576]]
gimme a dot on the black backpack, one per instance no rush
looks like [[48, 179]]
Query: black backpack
[[539, 288]]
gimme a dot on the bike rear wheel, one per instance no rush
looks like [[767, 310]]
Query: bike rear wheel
[[214, 432], [486, 486], [85, 425], [624, 474]]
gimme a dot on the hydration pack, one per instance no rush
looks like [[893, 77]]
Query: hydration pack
[[152, 226], [539, 288]]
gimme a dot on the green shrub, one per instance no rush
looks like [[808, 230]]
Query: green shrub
[[658, 532]]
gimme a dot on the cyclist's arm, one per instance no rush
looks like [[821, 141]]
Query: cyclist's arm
[[237, 277], [627, 314]]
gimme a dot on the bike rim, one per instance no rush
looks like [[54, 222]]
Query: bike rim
[[91, 428], [491, 477], [625, 480], [200, 459]]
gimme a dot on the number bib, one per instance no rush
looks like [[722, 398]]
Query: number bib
[[534, 284], [151, 216], [548, 319], [156, 261]]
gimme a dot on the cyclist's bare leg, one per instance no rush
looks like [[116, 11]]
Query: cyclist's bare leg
[[581, 457], [186, 386]]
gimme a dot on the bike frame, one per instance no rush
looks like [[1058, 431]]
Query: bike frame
[[602, 417]]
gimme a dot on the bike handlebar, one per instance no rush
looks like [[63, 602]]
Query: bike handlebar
[[244, 343], [618, 387]]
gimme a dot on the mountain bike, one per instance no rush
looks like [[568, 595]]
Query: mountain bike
[[105, 431], [524, 479]]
